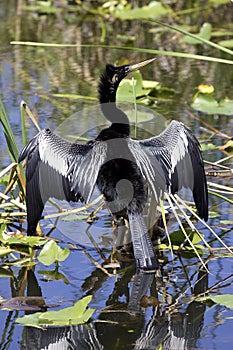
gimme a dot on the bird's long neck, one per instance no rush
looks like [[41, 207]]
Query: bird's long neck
[[107, 98]]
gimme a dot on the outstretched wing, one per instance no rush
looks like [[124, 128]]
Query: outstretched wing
[[178, 153], [53, 166]]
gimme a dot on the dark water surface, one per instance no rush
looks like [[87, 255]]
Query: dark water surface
[[121, 322]]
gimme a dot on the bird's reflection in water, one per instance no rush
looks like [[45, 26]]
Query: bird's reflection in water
[[123, 324]]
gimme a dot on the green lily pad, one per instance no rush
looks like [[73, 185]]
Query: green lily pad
[[74, 217], [226, 43], [73, 315], [207, 104], [153, 10], [207, 146], [224, 299], [20, 239], [178, 237], [131, 88], [53, 275], [205, 33], [51, 252]]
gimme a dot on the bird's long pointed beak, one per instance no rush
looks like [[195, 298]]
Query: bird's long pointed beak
[[139, 65]]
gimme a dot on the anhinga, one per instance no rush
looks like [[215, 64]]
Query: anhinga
[[124, 170]]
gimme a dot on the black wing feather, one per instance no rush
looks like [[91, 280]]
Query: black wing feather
[[178, 152], [48, 174]]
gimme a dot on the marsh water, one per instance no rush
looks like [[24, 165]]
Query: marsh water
[[133, 311]]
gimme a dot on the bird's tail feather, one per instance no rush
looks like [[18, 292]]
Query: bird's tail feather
[[142, 245]]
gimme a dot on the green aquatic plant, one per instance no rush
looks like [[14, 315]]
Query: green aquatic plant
[[70, 316]]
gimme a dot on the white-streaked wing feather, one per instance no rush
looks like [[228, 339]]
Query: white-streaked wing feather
[[49, 174], [178, 152], [85, 176], [150, 168]]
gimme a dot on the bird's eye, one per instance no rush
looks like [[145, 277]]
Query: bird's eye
[[115, 78]]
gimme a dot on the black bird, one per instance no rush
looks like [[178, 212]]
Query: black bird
[[126, 171]]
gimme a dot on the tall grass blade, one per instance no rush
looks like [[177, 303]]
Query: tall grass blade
[[23, 126], [205, 41], [9, 135], [128, 48], [12, 146]]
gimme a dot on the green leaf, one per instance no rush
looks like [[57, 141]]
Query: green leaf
[[51, 252], [131, 88], [224, 299], [9, 135], [73, 217], [178, 237], [207, 104], [53, 275], [154, 10], [5, 251], [20, 239], [76, 314], [226, 43], [207, 146], [205, 33], [140, 117], [226, 222], [30, 320], [6, 273], [150, 84]]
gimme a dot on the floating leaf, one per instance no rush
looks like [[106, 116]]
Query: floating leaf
[[19, 238], [178, 237], [43, 8], [224, 299], [51, 252], [73, 315], [154, 10], [226, 222], [226, 43], [142, 116], [131, 88], [150, 84], [6, 273], [53, 275], [207, 146], [73, 217], [205, 33], [5, 251], [207, 104], [213, 214], [30, 320]]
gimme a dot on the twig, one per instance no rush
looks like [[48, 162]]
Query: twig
[[31, 116], [97, 264], [225, 188], [190, 223], [220, 173], [13, 201], [216, 164], [99, 251], [205, 224], [208, 126], [72, 211], [183, 230], [7, 169]]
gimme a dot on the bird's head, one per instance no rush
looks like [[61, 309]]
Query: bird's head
[[116, 73], [112, 77]]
